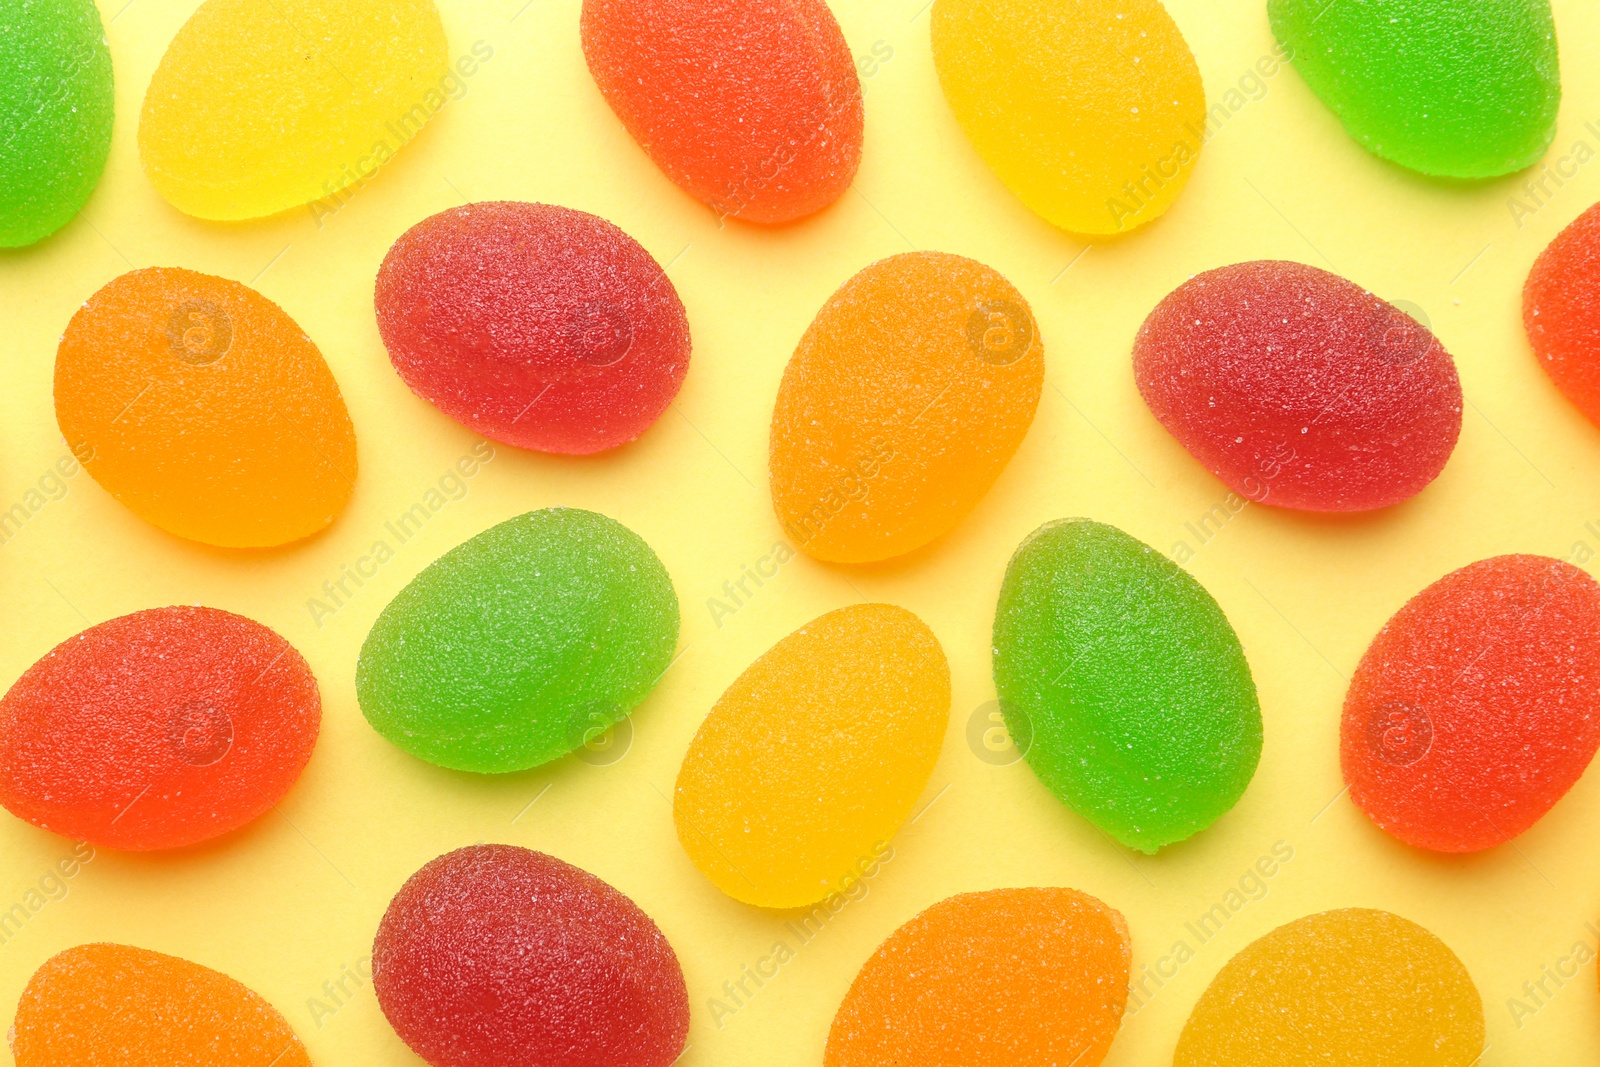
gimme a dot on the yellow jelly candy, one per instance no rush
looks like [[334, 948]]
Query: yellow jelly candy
[[812, 759], [1091, 111], [263, 105], [903, 402], [1356, 987]]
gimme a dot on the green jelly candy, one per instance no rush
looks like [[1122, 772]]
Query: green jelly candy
[[55, 114], [1123, 684], [1459, 89], [519, 646]]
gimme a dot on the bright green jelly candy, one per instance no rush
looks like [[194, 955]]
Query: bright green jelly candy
[[1461, 90], [55, 114], [1123, 684], [520, 645]]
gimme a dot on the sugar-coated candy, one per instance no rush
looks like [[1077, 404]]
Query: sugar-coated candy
[[55, 108], [1477, 706], [521, 644], [1355, 987], [1561, 312], [157, 729], [536, 325], [903, 402], [494, 955], [1090, 111], [1465, 90], [1298, 388], [204, 408], [259, 106], [751, 106], [107, 1005], [808, 764], [1123, 684], [1007, 978]]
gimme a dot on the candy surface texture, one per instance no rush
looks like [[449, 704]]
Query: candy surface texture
[[494, 955], [539, 326], [1123, 684], [1478, 705], [521, 644], [1007, 978], [118, 1006], [1299, 389], [751, 106], [808, 764], [1456, 90], [1356, 987], [905, 399], [55, 110], [259, 106], [1561, 312]]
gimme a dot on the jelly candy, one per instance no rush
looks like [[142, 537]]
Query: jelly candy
[[539, 326], [1457, 90], [55, 108], [117, 1006], [1298, 388], [521, 644], [1561, 312], [1091, 111], [259, 106], [905, 399], [1357, 987], [157, 729], [200, 405], [812, 759], [1478, 705], [495, 955], [750, 106], [1123, 684], [1007, 978]]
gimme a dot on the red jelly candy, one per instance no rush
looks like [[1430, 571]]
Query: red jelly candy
[[539, 326], [1298, 388], [494, 955], [157, 729], [1478, 705], [1561, 312], [751, 106]]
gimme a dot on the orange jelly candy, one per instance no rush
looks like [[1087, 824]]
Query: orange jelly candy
[[1561, 312], [1007, 978], [118, 1006], [203, 407]]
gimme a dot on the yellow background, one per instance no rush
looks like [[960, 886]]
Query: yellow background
[[289, 902]]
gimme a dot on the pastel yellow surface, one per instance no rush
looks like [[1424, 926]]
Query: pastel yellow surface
[[289, 905]]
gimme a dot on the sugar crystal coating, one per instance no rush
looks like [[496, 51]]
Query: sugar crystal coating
[[494, 955], [1457, 90], [521, 644], [809, 763], [1090, 111], [118, 1006], [750, 106], [536, 325], [1123, 684], [157, 729], [1007, 978], [204, 408], [1298, 388], [1561, 312], [259, 106], [1478, 705], [906, 397], [55, 114], [1356, 987]]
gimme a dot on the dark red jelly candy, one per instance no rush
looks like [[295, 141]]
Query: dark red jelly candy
[[495, 955], [1478, 705], [540, 326], [1299, 388]]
